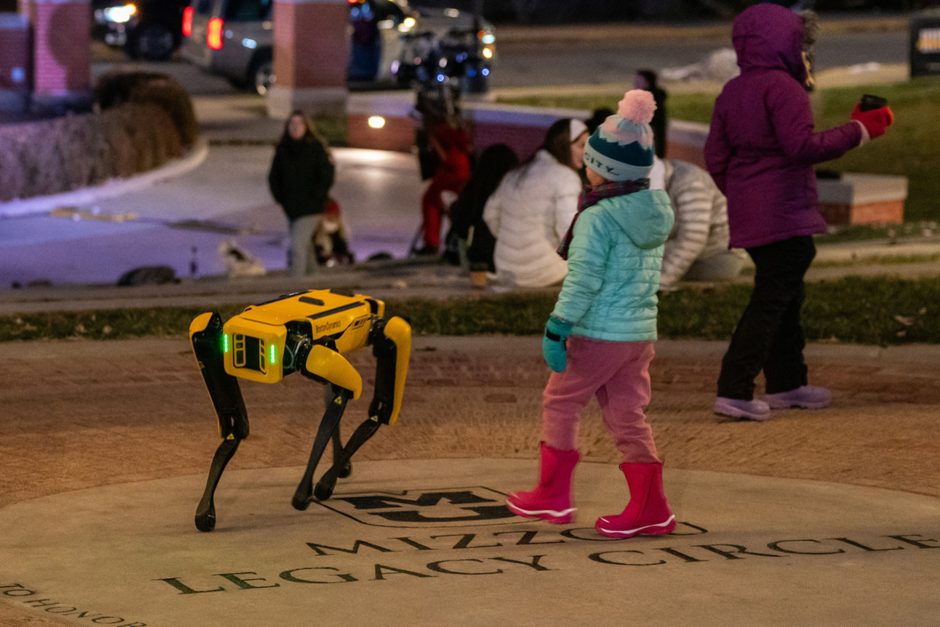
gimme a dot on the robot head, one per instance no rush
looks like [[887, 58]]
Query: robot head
[[254, 350]]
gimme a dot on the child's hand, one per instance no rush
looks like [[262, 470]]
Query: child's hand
[[875, 121], [553, 343]]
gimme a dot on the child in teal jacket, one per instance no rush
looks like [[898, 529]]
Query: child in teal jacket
[[599, 338]]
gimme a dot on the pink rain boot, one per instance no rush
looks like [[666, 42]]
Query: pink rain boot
[[647, 513], [551, 498]]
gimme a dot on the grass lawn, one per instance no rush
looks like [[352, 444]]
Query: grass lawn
[[874, 310], [909, 148]]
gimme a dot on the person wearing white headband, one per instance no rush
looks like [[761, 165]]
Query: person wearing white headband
[[530, 211]]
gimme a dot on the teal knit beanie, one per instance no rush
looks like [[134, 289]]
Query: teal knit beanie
[[621, 149]]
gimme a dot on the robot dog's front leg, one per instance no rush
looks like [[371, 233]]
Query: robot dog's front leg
[[391, 345], [206, 336]]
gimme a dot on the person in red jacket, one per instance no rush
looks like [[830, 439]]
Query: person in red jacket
[[761, 149], [453, 147]]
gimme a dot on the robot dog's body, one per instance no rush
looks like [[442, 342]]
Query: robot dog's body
[[306, 332]]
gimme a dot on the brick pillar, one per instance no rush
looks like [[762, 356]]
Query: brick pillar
[[61, 60], [311, 52]]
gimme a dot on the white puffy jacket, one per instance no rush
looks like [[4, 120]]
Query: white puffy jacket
[[701, 226], [529, 214]]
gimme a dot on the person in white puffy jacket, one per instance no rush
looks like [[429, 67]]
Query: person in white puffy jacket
[[531, 210], [697, 248]]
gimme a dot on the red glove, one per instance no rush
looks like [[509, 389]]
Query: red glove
[[875, 121]]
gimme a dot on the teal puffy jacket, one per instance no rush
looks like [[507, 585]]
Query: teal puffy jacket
[[613, 267]]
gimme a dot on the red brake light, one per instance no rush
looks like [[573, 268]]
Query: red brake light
[[188, 21], [214, 33]]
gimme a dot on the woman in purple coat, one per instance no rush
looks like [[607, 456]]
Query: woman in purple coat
[[761, 149]]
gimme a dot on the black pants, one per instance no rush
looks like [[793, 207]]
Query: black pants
[[769, 336]]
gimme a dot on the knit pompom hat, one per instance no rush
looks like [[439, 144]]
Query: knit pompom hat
[[621, 149]]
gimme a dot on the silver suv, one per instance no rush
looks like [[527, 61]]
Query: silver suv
[[390, 40]]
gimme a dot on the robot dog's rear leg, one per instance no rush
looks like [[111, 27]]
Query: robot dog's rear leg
[[229, 406], [324, 487], [391, 345], [346, 470], [331, 417]]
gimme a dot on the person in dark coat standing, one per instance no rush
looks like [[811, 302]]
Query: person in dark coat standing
[[300, 178], [760, 151], [647, 80]]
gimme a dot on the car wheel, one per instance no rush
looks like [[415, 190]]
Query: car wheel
[[152, 42], [261, 76]]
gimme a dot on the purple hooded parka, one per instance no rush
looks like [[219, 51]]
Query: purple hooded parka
[[761, 146]]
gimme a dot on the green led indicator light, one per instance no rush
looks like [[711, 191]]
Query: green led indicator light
[[273, 354], [224, 342]]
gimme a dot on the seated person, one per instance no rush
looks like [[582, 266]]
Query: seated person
[[697, 248], [597, 118], [531, 210], [330, 238], [453, 146], [475, 242]]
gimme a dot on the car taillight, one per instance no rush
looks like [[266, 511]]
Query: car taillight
[[188, 21], [214, 33]]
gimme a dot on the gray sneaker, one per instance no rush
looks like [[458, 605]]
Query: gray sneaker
[[738, 408], [804, 397]]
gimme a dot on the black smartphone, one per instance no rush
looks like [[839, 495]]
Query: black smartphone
[[869, 102]]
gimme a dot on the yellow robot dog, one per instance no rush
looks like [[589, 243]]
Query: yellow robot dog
[[306, 332]]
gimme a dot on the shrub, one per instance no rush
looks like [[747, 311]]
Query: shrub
[[117, 88], [142, 120], [53, 156]]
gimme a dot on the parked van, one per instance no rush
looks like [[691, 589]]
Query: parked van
[[146, 29], [234, 39]]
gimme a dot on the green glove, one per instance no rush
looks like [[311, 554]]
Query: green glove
[[553, 343]]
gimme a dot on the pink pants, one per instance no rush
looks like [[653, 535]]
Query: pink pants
[[618, 374]]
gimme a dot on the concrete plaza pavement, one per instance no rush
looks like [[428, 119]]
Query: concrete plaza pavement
[[824, 517]]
